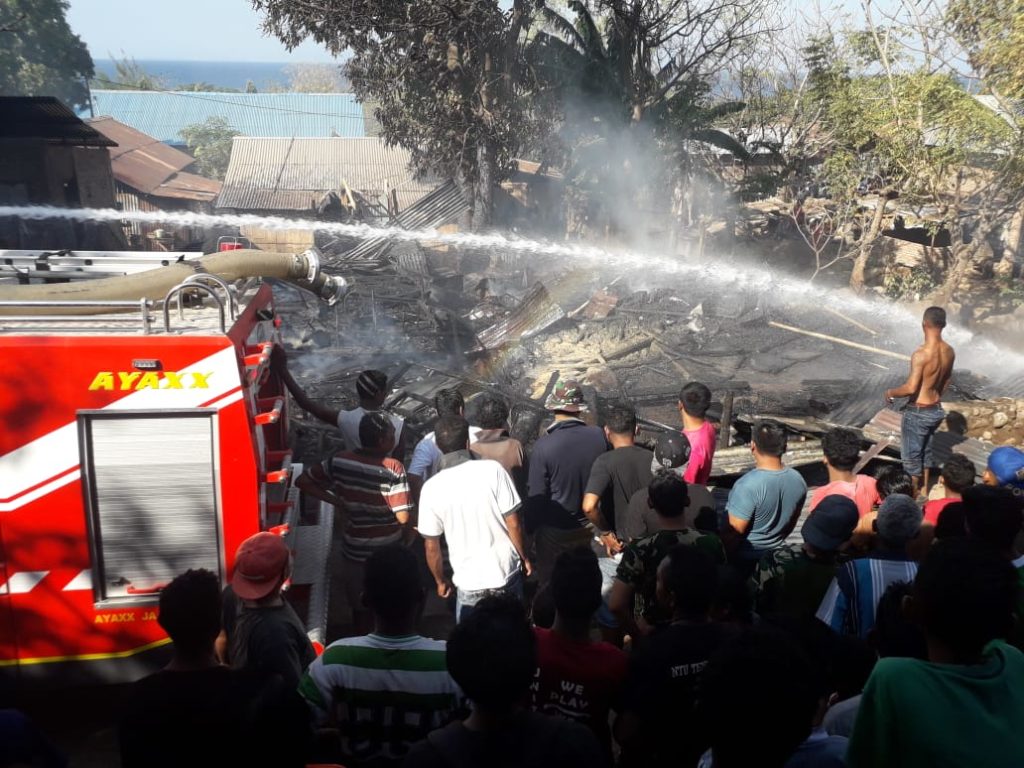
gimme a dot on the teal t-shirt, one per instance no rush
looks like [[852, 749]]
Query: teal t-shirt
[[769, 499], [915, 714]]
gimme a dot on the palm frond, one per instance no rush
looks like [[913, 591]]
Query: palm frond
[[720, 139], [563, 28]]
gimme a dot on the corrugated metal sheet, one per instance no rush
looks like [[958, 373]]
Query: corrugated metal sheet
[[269, 174], [442, 206], [162, 114], [1011, 386], [867, 399], [43, 117], [888, 423], [535, 313], [150, 166]]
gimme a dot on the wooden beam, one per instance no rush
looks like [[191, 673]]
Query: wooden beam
[[837, 340]]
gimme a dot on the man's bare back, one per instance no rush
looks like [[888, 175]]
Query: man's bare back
[[934, 361]]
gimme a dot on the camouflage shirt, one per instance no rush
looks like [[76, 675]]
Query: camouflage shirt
[[789, 582], [640, 561]]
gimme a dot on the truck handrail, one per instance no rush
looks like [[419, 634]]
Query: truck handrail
[[186, 286], [143, 305], [220, 282]]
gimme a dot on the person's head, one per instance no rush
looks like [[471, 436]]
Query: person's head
[[542, 610], [852, 660], [392, 588], [831, 523], [769, 438], [449, 402], [372, 388], [620, 420], [952, 521], [899, 521], [695, 399], [377, 433], [934, 318], [451, 434], [841, 447], [576, 585], [671, 453], [667, 494], [894, 634], [993, 516], [262, 564], [744, 669], [734, 601], [491, 412], [566, 399], [189, 613], [1005, 467], [492, 654], [964, 597], [687, 582], [891, 479], [958, 473]]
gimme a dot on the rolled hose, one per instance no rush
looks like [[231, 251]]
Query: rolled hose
[[302, 270]]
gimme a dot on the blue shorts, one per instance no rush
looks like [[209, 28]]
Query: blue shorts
[[917, 429]]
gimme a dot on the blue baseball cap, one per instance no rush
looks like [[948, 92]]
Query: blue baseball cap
[[1007, 464]]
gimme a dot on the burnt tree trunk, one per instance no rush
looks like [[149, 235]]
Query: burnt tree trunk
[[487, 173], [860, 264]]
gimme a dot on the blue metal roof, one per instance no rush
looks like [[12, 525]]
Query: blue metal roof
[[162, 114]]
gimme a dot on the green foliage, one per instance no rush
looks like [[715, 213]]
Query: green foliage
[[129, 75], [909, 284], [39, 54], [992, 32], [315, 78], [210, 143]]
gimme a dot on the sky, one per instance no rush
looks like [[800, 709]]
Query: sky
[[193, 30]]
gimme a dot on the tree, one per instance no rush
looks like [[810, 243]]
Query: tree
[[448, 77], [129, 75], [250, 87], [315, 78], [40, 55], [210, 143]]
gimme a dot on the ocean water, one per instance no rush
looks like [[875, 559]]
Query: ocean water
[[223, 74]]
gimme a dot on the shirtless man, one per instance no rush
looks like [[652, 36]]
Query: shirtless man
[[931, 366]]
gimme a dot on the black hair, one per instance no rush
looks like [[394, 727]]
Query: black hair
[[373, 428], [770, 438], [620, 418], [371, 384], [576, 584], [852, 660], [951, 522], [744, 669], [542, 610], [668, 495], [451, 433], [894, 634], [734, 600], [993, 516], [392, 587], [841, 447], [958, 473], [492, 654], [891, 479], [696, 399], [965, 595], [690, 575], [190, 608], [449, 402], [935, 317], [491, 412]]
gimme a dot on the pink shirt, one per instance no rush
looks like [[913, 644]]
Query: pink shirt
[[863, 491], [933, 508], [702, 452]]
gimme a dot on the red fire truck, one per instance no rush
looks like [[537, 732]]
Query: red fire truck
[[136, 445]]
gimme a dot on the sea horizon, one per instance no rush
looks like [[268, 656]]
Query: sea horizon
[[231, 75]]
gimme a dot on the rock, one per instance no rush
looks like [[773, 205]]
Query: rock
[[986, 435], [1000, 419]]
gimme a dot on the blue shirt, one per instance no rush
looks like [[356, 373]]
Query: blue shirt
[[852, 598], [559, 469], [769, 499]]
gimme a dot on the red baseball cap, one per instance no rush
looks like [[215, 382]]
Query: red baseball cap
[[259, 565]]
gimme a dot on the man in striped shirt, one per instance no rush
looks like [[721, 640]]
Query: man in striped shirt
[[385, 690], [370, 492], [851, 602]]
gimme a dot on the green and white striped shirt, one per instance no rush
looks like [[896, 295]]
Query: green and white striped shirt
[[382, 693]]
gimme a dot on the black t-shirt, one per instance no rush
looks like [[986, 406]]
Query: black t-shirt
[[532, 740], [212, 717], [616, 476], [266, 640], [661, 692], [640, 520]]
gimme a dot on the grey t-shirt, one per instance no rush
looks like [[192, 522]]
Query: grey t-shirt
[[640, 520], [769, 499]]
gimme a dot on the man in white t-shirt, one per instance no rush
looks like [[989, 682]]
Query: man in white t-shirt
[[473, 503], [372, 389], [426, 458]]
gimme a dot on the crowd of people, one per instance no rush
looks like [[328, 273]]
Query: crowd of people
[[607, 610]]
